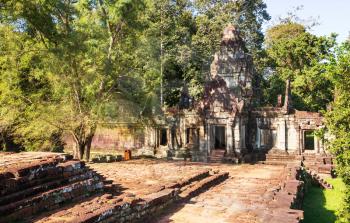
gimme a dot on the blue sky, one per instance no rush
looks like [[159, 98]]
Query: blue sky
[[333, 15]]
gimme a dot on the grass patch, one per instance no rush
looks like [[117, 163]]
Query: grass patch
[[320, 205]]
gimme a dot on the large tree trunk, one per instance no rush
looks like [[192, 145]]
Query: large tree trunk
[[81, 150], [83, 142], [78, 149], [88, 145]]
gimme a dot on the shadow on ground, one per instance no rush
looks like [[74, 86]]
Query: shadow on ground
[[314, 207]]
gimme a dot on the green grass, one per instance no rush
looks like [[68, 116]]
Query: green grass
[[320, 205]]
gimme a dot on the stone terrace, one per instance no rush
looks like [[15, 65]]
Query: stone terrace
[[137, 189], [252, 194], [53, 190], [142, 177]]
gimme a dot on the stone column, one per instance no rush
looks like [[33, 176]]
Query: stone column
[[316, 144], [321, 146], [302, 141], [282, 135], [299, 141], [237, 136], [258, 137], [209, 138], [168, 133], [202, 139], [292, 138], [229, 138], [242, 138]]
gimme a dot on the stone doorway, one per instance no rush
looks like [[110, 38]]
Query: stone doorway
[[309, 140], [219, 137]]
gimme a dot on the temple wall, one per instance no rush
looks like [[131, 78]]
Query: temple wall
[[114, 140]]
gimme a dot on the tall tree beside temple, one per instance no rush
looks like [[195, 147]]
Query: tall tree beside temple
[[338, 121], [296, 54], [165, 48], [74, 55]]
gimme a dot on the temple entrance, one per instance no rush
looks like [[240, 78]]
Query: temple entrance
[[309, 142], [220, 137]]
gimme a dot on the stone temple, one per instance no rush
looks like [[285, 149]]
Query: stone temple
[[225, 124]]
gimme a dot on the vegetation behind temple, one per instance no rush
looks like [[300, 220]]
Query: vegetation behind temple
[[68, 65]]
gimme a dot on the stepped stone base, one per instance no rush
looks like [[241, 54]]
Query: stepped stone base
[[138, 190], [31, 183], [54, 188]]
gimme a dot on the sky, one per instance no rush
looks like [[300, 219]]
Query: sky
[[333, 15]]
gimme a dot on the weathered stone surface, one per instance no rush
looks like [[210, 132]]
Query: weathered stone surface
[[37, 182], [252, 194], [140, 190]]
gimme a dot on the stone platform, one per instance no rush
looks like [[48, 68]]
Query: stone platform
[[252, 194], [32, 183], [137, 190], [53, 188]]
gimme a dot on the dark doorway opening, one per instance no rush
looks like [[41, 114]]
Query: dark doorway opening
[[309, 143], [220, 137], [163, 137]]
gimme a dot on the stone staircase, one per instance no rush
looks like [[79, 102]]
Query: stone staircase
[[320, 164], [318, 180], [43, 184], [112, 207], [281, 158], [217, 156]]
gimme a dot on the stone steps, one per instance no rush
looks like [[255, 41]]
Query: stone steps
[[44, 187], [49, 200], [196, 188], [278, 162], [318, 163], [319, 180], [44, 184], [217, 156], [131, 208]]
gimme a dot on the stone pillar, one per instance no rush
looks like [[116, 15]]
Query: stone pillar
[[292, 138], [282, 135], [242, 138], [202, 140], [316, 144], [302, 143], [321, 146], [229, 138], [169, 139], [258, 135], [209, 138], [237, 136], [300, 150]]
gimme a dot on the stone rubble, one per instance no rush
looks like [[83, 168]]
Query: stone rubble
[[54, 188]]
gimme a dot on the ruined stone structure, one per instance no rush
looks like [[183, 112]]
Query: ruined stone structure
[[224, 124]]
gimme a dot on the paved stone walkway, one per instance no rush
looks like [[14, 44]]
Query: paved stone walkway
[[142, 177], [239, 199]]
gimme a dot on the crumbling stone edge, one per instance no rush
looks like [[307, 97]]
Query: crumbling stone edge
[[134, 209]]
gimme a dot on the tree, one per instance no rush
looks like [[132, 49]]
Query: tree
[[166, 47], [302, 57], [338, 121], [85, 50]]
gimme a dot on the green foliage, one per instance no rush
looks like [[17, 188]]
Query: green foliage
[[338, 120], [303, 58], [182, 36], [67, 59], [320, 206]]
